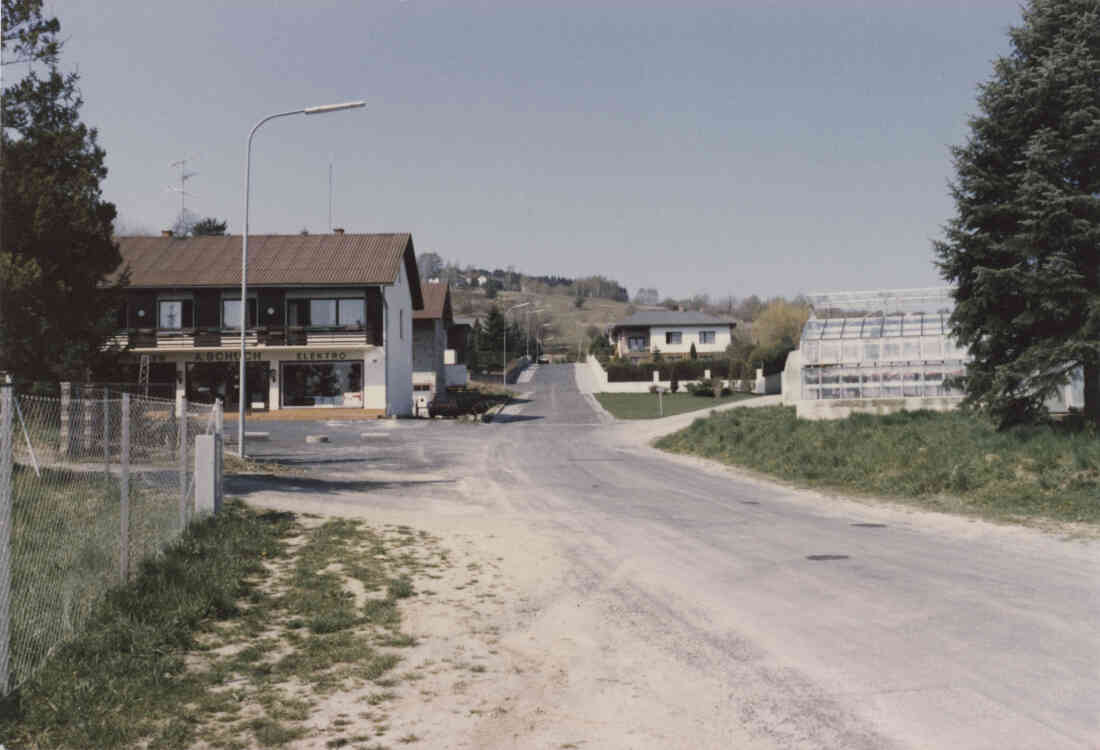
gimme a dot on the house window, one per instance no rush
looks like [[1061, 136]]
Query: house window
[[351, 312], [231, 313], [401, 323], [174, 314], [673, 337], [321, 384], [637, 343], [706, 337], [326, 312], [171, 314]]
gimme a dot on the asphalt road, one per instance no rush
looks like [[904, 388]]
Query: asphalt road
[[822, 622]]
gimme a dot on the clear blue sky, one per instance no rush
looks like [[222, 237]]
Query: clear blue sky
[[765, 147]]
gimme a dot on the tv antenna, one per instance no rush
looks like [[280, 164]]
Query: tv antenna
[[182, 190], [330, 193]]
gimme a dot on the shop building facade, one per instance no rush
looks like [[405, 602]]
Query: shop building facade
[[328, 318]]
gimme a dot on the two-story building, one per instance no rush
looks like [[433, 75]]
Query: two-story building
[[430, 327], [672, 332], [328, 318]]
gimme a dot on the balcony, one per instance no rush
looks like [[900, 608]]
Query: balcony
[[217, 338]]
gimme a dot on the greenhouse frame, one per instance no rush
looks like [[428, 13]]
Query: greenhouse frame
[[883, 351], [898, 355]]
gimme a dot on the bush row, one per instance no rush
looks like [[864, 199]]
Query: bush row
[[685, 369]]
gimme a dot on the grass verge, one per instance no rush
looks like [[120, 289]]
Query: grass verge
[[645, 405], [230, 638], [953, 461]]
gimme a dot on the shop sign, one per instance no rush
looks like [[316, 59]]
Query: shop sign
[[226, 356], [321, 356]]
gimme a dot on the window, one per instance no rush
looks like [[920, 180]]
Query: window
[[637, 344], [171, 314], [401, 323], [706, 337], [322, 312], [231, 313], [351, 312], [174, 314], [325, 312], [673, 337], [321, 384]]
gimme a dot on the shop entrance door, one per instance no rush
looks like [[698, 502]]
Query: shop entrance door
[[207, 381]]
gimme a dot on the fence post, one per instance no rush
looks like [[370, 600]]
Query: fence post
[[107, 433], [87, 409], [183, 463], [7, 404], [124, 491], [64, 433], [205, 481], [219, 454]]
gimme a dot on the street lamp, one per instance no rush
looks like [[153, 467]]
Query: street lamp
[[527, 342], [504, 370], [242, 385]]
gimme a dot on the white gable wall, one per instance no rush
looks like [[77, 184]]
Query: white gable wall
[[399, 346]]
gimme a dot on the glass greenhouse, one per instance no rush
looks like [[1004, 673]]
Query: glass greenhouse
[[898, 355]]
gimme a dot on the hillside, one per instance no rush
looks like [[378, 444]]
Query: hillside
[[567, 325]]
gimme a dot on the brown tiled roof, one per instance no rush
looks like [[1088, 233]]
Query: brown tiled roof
[[273, 259], [436, 299]]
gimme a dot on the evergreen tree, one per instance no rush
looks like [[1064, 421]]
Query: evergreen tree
[[494, 333], [1024, 247], [57, 249], [473, 348], [209, 227]]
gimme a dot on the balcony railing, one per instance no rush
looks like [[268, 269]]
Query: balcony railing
[[217, 338]]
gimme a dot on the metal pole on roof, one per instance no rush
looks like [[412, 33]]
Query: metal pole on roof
[[242, 384]]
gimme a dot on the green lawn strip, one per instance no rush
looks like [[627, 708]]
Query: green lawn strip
[[645, 406], [951, 461], [229, 638]]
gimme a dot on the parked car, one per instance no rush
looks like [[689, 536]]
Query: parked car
[[543, 359]]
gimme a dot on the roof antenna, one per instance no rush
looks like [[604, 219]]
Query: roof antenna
[[330, 193], [182, 225]]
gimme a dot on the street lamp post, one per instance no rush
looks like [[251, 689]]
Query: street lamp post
[[242, 385], [527, 342], [504, 369]]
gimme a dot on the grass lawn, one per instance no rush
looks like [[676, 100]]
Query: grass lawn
[[231, 638], [951, 461], [644, 405]]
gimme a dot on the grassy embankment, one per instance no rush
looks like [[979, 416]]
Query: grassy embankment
[[645, 405], [232, 638], [953, 462], [568, 322]]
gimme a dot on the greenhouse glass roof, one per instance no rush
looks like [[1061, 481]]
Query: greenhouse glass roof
[[876, 326]]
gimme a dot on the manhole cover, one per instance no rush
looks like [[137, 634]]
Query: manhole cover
[[818, 558], [870, 525]]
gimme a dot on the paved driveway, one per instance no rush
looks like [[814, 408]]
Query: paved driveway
[[704, 608]]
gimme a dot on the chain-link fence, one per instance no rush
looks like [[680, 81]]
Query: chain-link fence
[[91, 483]]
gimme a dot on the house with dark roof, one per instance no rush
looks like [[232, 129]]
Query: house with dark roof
[[431, 325], [672, 332], [328, 319]]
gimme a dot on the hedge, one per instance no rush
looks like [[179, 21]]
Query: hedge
[[684, 369]]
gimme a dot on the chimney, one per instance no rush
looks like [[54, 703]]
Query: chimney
[[338, 230], [166, 233]]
